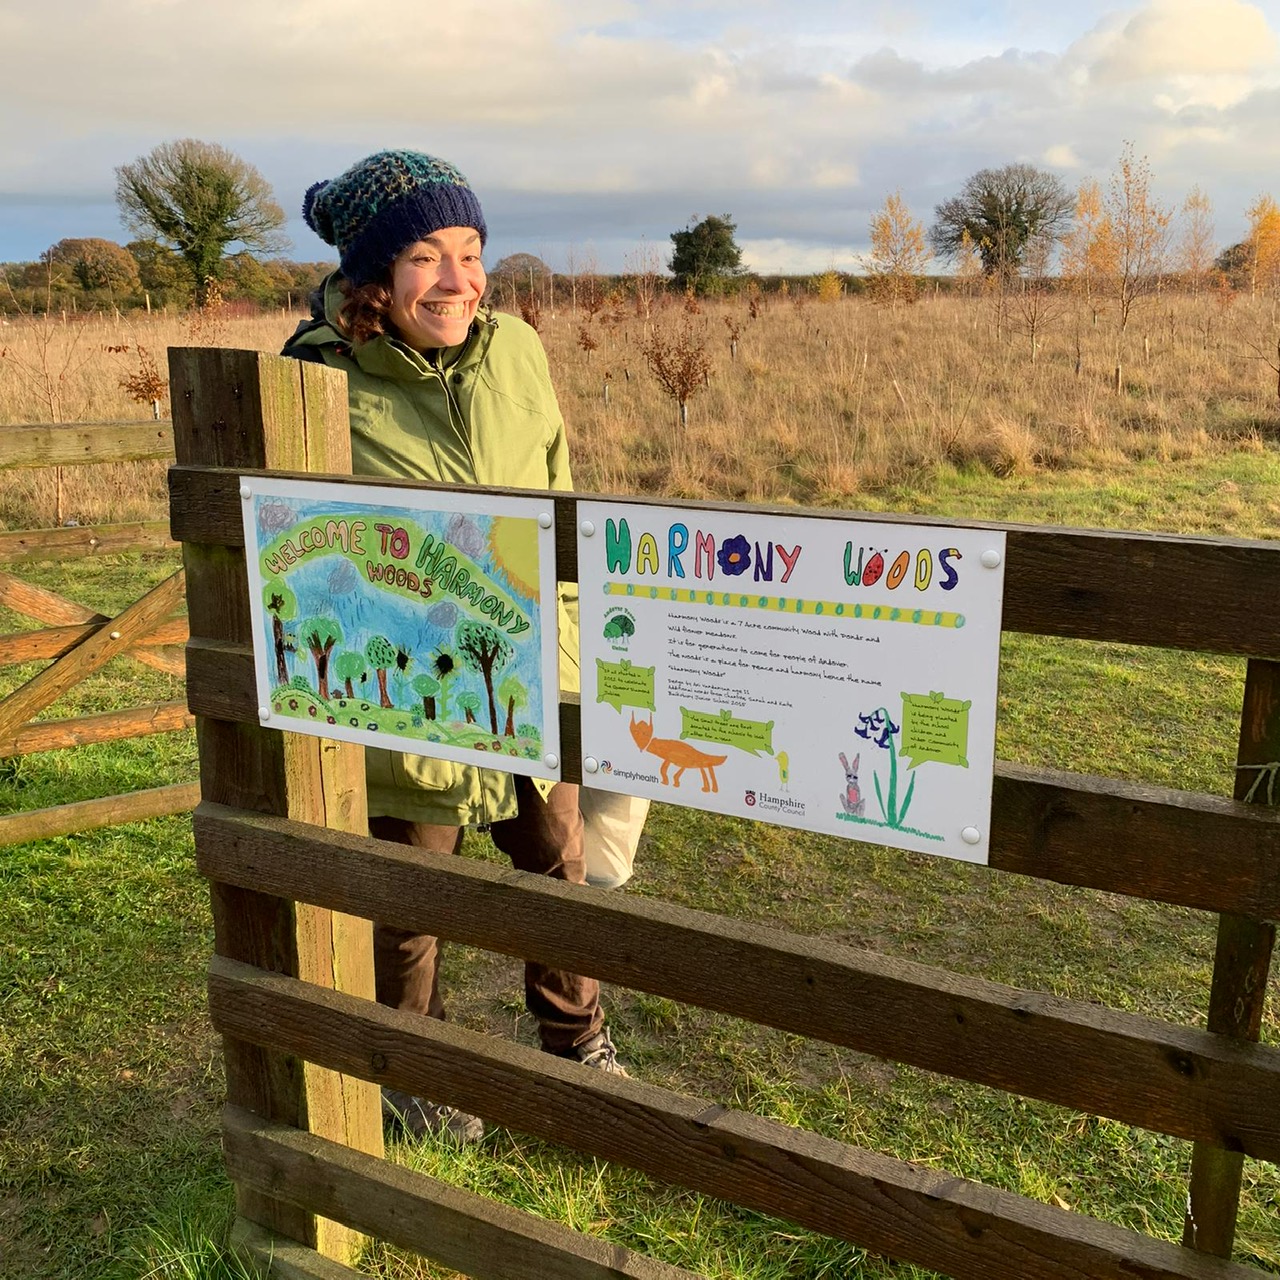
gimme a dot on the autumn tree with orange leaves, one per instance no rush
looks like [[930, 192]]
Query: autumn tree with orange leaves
[[1263, 245], [1089, 248], [899, 253]]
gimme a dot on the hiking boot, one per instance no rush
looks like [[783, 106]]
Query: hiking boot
[[419, 1118], [598, 1052]]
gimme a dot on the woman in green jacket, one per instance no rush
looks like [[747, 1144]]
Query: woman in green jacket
[[441, 389]]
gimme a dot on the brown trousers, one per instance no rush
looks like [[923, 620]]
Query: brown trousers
[[544, 837]]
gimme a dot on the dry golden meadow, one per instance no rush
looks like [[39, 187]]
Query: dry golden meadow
[[835, 402], [110, 1082]]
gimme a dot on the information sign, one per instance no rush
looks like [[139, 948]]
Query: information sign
[[834, 675], [418, 620]]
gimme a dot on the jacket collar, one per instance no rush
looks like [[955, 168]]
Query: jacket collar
[[388, 357]]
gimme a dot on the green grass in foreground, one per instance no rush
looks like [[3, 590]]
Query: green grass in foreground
[[110, 1079]]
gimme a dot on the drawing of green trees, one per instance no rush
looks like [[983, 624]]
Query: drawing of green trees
[[350, 666], [470, 704], [380, 654], [444, 666], [282, 605], [426, 687], [320, 635], [484, 649], [400, 677], [514, 694]]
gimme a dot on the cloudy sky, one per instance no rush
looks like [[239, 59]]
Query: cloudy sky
[[597, 127]]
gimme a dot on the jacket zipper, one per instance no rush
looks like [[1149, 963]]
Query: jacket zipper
[[455, 412]]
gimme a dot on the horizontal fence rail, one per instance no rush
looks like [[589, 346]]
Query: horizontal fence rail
[[1130, 588], [110, 811], [489, 1240], [1163, 1077], [62, 445], [53, 642], [26, 546], [108, 726], [1156, 843], [922, 1215]]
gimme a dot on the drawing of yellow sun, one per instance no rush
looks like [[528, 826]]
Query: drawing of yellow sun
[[513, 541]]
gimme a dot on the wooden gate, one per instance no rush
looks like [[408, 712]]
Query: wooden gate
[[76, 640], [290, 986]]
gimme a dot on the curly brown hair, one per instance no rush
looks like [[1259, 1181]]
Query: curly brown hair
[[366, 312]]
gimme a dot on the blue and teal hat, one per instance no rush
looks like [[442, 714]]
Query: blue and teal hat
[[384, 203]]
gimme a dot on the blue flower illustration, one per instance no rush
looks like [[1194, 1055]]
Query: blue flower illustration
[[879, 726], [734, 555]]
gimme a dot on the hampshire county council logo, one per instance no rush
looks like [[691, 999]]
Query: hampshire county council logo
[[751, 797]]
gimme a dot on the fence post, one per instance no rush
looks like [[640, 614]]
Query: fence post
[[1240, 967], [252, 410]]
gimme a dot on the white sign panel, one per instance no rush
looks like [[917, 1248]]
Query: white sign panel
[[416, 620], [834, 675]]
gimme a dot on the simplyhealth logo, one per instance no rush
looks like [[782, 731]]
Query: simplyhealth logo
[[629, 774]]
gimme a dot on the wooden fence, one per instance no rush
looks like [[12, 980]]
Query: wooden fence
[[280, 835], [76, 640]]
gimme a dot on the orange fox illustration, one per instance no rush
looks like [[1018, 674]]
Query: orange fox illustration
[[671, 751]]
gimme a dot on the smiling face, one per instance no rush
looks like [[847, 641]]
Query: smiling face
[[436, 286]]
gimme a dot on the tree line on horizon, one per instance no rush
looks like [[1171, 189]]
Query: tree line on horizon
[[205, 219]]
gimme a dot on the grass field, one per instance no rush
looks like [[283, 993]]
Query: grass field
[[110, 1076], [825, 404]]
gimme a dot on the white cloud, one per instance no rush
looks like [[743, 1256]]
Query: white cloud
[[1182, 38], [845, 93], [611, 120], [790, 257], [1061, 156], [831, 173]]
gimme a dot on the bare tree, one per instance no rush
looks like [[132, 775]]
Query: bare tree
[[1039, 300], [571, 270], [644, 272], [1141, 230], [968, 260], [1196, 243], [592, 294]]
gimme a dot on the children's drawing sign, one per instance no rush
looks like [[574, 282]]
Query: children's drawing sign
[[834, 675], [420, 621]]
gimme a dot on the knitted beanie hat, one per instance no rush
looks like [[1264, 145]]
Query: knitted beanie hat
[[384, 203]]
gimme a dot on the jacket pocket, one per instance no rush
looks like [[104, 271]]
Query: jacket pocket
[[422, 773]]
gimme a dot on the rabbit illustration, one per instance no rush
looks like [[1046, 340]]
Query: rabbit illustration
[[852, 800]]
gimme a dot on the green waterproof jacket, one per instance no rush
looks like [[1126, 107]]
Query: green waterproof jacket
[[482, 413]]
